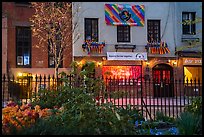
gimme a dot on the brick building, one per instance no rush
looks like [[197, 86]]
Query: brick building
[[19, 53]]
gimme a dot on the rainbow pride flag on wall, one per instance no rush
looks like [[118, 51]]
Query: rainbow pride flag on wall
[[124, 14]]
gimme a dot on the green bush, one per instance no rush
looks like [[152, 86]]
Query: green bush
[[161, 117], [51, 98], [196, 105], [82, 116], [193, 111], [188, 124]]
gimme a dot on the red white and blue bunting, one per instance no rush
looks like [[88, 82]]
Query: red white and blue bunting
[[93, 47]]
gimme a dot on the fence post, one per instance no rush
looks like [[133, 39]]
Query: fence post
[[141, 97], [3, 90]]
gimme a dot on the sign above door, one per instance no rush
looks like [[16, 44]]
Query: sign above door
[[126, 55]]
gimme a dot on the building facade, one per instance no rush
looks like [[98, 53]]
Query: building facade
[[189, 37], [19, 51], [124, 39], [133, 40]]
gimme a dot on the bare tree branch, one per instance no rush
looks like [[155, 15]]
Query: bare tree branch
[[52, 24]]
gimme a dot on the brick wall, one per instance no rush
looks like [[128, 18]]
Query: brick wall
[[18, 15]]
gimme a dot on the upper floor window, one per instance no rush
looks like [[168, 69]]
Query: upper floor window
[[91, 29], [23, 46], [153, 31], [188, 27], [123, 33]]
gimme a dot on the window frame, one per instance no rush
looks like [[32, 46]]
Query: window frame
[[91, 25], [23, 48], [190, 26], [158, 39], [122, 38]]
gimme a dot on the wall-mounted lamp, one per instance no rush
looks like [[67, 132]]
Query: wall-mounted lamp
[[174, 63], [99, 64], [168, 61], [20, 74], [79, 63], [103, 58], [147, 68], [147, 63]]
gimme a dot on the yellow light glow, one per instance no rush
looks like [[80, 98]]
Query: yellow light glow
[[99, 64], [20, 74], [187, 74], [103, 58], [79, 63], [174, 63], [169, 61]]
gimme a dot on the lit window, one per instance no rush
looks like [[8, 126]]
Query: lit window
[[23, 46], [192, 73]]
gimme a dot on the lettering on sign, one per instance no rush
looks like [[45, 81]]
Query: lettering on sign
[[126, 56], [192, 61]]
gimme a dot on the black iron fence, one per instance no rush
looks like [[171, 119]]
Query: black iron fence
[[148, 95]]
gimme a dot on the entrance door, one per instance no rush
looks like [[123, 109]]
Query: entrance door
[[163, 81]]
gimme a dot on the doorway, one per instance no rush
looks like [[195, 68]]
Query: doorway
[[163, 80]]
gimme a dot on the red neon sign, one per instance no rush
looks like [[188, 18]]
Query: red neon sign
[[122, 71]]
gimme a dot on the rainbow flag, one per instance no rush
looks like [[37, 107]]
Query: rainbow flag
[[124, 14]]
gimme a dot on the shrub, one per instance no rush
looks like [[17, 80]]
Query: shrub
[[194, 109], [15, 117], [161, 117], [188, 124], [196, 105], [82, 116]]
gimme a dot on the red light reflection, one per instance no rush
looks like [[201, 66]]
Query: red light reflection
[[122, 71]]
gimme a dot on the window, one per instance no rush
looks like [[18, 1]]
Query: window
[[153, 31], [193, 73], [23, 46], [122, 73], [188, 28], [91, 29], [123, 33]]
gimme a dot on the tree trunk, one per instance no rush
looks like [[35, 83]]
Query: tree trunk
[[56, 71]]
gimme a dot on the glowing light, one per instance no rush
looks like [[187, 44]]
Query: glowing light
[[103, 58], [174, 63], [99, 64], [147, 63], [169, 61], [122, 71], [79, 63], [20, 74]]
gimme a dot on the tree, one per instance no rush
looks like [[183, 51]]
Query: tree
[[52, 24]]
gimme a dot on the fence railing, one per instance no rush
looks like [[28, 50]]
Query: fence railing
[[148, 95]]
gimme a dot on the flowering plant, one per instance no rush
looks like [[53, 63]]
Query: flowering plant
[[15, 116]]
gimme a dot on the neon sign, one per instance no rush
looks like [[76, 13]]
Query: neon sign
[[122, 72]]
